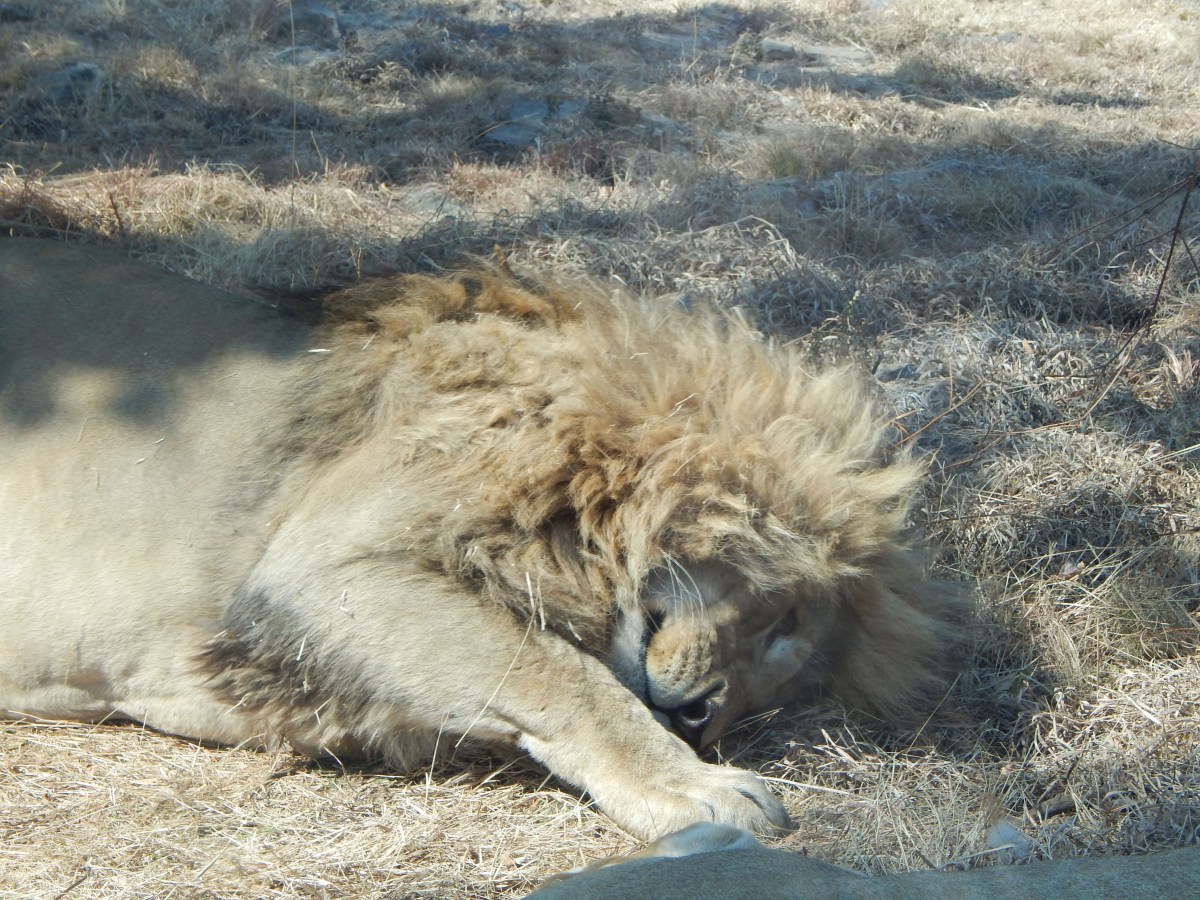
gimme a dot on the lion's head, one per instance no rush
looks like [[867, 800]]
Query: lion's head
[[703, 650], [762, 531]]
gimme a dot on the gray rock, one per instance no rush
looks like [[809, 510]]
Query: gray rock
[[11, 12], [569, 109], [760, 874], [527, 121], [904, 372], [772, 50], [838, 56], [311, 20], [304, 57], [429, 201], [73, 86], [531, 119], [791, 194]]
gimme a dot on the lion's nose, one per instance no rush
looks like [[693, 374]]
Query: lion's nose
[[692, 719]]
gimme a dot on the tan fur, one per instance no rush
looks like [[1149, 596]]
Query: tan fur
[[548, 516]]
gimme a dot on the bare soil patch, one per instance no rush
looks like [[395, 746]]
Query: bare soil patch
[[976, 201]]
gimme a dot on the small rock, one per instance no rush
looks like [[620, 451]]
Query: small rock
[[930, 368], [429, 201], [904, 372], [772, 50], [304, 57], [838, 56], [781, 194], [11, 12], [530, 109], [661, 124], [74, 85], [1009, 842], [569, 109], [311, 20], [606, 112], [527, 120]]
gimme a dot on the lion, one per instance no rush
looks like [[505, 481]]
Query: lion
[[597, 529]]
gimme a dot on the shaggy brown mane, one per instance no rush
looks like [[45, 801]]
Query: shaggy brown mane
[[610, 435]]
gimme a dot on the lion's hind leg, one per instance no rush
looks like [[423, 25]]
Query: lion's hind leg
[[196, 715], [180, 705]]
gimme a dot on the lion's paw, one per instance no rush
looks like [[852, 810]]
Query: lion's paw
[[705, 793]]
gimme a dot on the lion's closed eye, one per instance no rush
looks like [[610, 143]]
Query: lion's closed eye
[[654, 622], [785, 627]]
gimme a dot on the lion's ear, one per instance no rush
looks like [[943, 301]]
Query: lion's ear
[[898, 646]]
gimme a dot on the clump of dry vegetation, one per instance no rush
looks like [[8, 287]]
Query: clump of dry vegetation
[[974, 200]]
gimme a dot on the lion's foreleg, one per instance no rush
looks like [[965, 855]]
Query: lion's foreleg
[[397, 652]]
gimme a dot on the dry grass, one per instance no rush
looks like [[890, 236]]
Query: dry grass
[[913, 197], [121, 813]]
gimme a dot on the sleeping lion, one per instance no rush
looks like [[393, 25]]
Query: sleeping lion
[[596, 528]]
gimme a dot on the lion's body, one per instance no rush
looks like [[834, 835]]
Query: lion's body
[[534, 516], [122, 400]]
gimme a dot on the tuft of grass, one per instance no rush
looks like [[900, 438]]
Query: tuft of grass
[[811, 155]]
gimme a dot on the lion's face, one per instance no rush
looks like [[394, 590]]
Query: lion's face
[[703, 652]]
